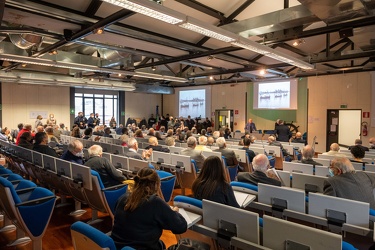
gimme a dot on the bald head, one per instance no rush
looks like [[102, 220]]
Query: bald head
[[260, 163], [308, 152], [335, 147], [298, 135]]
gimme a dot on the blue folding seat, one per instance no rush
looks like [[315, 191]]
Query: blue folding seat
[[188, 203], [167, 181]]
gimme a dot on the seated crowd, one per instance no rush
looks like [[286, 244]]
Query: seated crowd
[[149, 214]]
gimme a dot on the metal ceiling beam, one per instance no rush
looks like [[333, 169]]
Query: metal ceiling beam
[[93, 7], [188, 57], [349, 43], [321, 57], [238, 11], [203, 8], [292, 49], [80, 34]]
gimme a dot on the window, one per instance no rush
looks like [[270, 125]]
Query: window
[[106, 105]]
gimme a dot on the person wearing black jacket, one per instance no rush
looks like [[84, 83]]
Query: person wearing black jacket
[[141, 215]]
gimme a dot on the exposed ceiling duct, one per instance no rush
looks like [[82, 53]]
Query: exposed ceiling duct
[[25, 41]]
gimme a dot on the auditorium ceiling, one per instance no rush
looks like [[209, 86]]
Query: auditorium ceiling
[[99, 44]]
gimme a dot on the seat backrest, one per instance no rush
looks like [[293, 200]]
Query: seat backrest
[[86, 237], [244, 187], [188, 203], [167, 181]]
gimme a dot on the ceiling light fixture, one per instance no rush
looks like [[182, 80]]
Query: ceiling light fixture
[[153, 68], [150, 9], [98, 31], [83, 67], [53, 52], [167, 15], [298, 42], [209, 58], [262, 72]]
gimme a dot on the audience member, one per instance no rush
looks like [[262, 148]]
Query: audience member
[[39, 129], [51, 136], [15, 132], [334, 150], [138, 134], [76, 132], [246, 146], [74, 152], [358, 153], [216, 135], [229, 154], [211, 183], [371, 142], [154, 145], [108, 173], [40, 145], [26, 128], [195, 155], [349, 184], [158, 136], [358, 142], [202, 141], [38, 121], [141, 215], [133, 148], [307, 156], [298, 138], [4, 135], [260, 175], [170, 141], [119, 129], [107, 132], [227, 134], [26, 140], [210, 141]]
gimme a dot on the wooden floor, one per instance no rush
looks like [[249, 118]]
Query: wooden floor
[[58, 237]]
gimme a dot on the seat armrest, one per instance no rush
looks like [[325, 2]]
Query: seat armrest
[[114, 187], [36, 201], [25, 190]]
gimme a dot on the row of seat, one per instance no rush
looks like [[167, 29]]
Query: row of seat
[[26, 206]]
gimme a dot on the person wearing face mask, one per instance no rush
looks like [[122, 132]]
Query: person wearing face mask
[[40, 145], [74, 152], [346, 183]]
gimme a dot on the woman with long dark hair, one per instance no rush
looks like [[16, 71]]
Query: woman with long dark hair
[[141, 215], [211, 183]]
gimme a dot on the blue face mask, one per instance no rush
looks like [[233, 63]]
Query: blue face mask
[[331, 173]]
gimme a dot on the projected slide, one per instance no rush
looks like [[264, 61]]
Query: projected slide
[[193, 103], [274, 95]]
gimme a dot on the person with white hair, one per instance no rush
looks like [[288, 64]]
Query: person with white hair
[[334, 150], [202, 141], [229, 155], [349, 184], [196, 155], [260, 175], [307, 156], [74, 152], [108, 173], [133, 151], [154, 144]]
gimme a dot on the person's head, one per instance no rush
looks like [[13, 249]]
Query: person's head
[[202, 140], [92, 115], [181, 137], [138, 133], [308, 152], [151, 132], [220, 142], [250, 120], [211, 177], [40, 129], [162, 129], [75, 132], [158, 135], [153, 141], [170, 141], [210, 141], [80, 114], [97, 114], [358, 142], [20, 126], [107, 130], [95, 150], [271, 138], [125, 131], [216, 134], [41, 138], [49, 130], [62, 125], [88, 132], [26, 136], [188, 134], [75, 147], [281, 122], [298, 135], [189, 117], [27, 127], [194, 130], [341, 165], [209, 129], [132, 143], [191, 142], [227, 131], [203, 132], [246, 142], [335, 147], [170, 132], [152, 115], [39, 117], [171, 118], [260, 163], [358, 152], [146, 183]]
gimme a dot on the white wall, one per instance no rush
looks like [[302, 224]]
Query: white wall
[[18, 100], [329, 92], [141, 105]]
